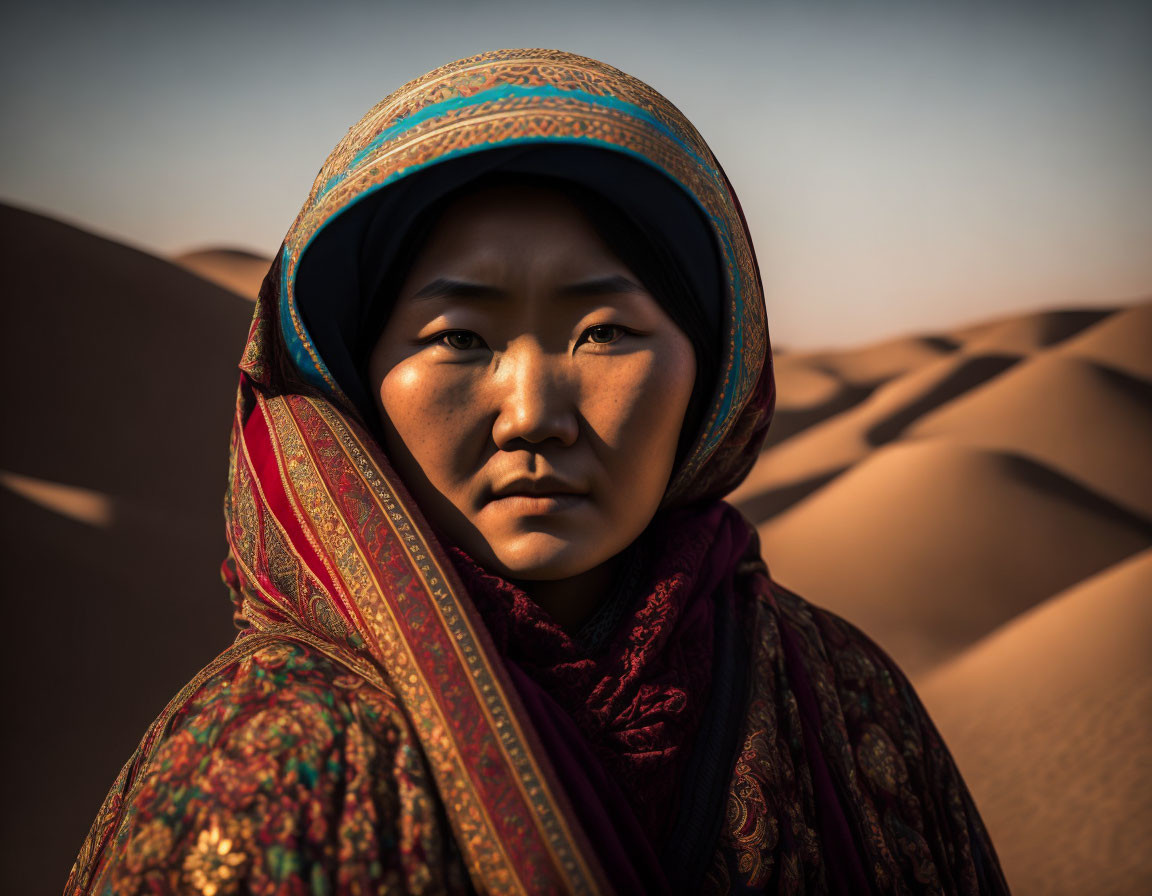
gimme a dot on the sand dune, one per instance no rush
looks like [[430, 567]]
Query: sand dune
[[127, 367], [814, 387], [808, 395], [120, 373], [237, 270], [935, 544], [1098, 431], [1050, 720], [801, 385], [940, 509]]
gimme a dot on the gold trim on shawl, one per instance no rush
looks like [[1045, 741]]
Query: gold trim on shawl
[[469, 816]]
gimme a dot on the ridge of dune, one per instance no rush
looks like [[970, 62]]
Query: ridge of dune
[[834, 445], [1123, 341], [819, 387], [937, 544], [1029, 332], [814, 386], [1098, 430], [1050, 721], [825, 425], [878, 362], [237, 270], [806, 395]]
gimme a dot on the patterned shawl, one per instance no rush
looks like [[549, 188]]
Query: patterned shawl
[[371, 653]]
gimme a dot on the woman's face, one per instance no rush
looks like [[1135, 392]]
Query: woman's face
[[532, 390]]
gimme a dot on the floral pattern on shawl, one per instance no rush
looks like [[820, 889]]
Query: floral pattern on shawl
[[283, 773]]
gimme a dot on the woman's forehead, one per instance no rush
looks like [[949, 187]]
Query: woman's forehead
[[499, 232]]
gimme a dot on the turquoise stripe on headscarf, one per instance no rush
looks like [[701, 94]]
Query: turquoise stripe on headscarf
[[505, 91]]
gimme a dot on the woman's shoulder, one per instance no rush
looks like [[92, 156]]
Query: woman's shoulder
[[826, 640], [278, 763], [880, 746], [306, 689], [853, 677]]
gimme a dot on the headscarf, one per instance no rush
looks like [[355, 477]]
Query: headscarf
[[324, 536]]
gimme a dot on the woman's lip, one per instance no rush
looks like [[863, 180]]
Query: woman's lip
[[538, 505]]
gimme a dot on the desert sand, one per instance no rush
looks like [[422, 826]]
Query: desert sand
[[935, 544], [977, 500], [1051, 720]]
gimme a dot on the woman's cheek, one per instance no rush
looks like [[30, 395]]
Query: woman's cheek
[[640, 404], [427, 403]]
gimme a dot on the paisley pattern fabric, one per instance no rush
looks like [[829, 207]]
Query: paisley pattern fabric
[[284, 772], [838, 715], [377, 725]]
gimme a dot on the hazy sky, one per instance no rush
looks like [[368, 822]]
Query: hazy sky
[[904, 165]]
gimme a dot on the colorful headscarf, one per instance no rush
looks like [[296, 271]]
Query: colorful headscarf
[[322, 534]]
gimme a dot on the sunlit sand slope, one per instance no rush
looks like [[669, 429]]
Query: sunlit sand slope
[[1051, 720]]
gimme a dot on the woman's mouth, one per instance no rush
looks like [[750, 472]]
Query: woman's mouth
[[538, 505], [537, 496]]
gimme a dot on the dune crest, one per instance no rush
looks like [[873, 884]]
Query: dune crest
[[1122, 341], [882, 361], [237, 270], [841, 440], [1099, 431]]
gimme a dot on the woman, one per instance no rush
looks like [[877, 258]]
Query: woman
[[498, 632]]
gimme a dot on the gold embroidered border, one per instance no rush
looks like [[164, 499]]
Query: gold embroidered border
[[466, 810], [297, 510]]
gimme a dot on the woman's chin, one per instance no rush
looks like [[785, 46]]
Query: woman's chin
[[543, 556]]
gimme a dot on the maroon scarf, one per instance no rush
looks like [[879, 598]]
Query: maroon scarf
[[622, 720]]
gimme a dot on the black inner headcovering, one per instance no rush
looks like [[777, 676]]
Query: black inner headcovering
[[354, 267]]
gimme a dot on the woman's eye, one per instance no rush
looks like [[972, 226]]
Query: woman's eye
[[603, 334], [461, 340]]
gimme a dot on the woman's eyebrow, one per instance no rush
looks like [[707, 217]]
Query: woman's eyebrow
[[614, 284], [447, 288]]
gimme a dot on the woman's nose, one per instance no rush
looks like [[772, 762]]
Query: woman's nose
[[535, 401]]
